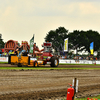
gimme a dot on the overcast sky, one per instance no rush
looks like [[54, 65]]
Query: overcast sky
[[20, 19]]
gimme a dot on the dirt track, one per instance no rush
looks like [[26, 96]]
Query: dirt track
[[46, 84]]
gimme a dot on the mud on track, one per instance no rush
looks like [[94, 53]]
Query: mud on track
[[46, 84]]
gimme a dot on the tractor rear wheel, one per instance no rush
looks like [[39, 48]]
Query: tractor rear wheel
[[54, 62]]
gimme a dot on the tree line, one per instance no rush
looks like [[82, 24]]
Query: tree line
[[79, 40], [1, 42]]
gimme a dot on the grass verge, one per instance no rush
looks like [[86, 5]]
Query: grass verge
[[42, 68], [97, 97], [3, 62]]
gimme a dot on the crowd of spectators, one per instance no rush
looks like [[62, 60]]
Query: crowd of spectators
[[6, 54]]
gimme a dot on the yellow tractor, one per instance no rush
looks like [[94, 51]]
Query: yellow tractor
[[42, 57]]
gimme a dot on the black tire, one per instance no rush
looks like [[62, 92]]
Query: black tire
[[19, 65], [35, 64], [54, 62]]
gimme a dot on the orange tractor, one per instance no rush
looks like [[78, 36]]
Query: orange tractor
[[40, 57]]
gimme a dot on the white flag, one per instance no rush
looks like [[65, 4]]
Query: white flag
[[66, 44]]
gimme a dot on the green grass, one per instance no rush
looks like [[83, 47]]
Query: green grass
[[51, 68], [42, 68], [97, 97], [3, 62]]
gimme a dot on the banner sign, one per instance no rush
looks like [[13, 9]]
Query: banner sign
[[91, 48], [3, 59], [65, 44]]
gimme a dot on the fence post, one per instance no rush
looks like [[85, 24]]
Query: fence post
[[74, 87]]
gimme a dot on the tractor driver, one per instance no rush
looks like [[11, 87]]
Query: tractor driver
[[16, 52], [35, 48]]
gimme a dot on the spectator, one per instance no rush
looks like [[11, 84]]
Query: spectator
[[96, 58], [80, 57], [87, 58]]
